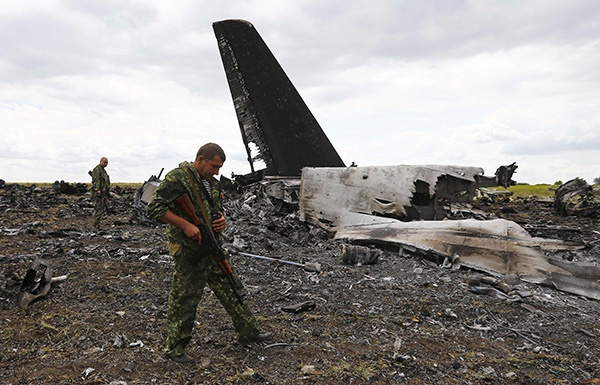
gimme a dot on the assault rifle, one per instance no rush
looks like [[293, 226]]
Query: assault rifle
[[208, 238]]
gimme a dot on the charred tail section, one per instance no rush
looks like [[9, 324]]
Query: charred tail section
[[272, 116]]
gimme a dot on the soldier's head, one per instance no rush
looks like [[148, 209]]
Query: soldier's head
[[103, 161], [209, 159]]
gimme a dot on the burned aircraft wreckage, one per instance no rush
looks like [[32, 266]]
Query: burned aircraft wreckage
[[403, 206]]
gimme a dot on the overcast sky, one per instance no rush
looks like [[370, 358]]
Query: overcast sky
[[472, 83]]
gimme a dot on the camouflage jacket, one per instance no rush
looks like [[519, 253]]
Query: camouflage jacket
[[176, 183], [100, 179]]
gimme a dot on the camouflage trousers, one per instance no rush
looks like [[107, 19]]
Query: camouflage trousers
[[192, 272], [99, 210]]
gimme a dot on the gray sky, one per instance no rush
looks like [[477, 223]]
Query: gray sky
[[472, 83]]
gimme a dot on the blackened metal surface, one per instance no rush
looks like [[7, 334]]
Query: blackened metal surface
[[270, 111], [576, 197]]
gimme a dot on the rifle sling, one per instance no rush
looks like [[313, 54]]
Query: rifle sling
[[207, 219]]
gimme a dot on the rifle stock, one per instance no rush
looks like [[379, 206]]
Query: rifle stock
[[185, 203]]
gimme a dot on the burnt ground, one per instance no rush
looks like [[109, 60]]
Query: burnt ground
[[401, 320]]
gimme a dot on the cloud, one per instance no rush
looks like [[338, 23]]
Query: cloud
[[575, 138], [390, 82]]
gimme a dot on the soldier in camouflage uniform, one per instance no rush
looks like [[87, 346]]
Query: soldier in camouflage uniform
[[100, 190], [194, 266]]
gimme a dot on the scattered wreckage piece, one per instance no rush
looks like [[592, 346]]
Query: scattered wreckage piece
[[485, 194], [576, 197], [504, 175], [299, 307], [496, 282], [69, 188], [466, 210], [274, 120], [26, 228], [142, 197], [37, 282], [498, 247], [308, 266], [284, 189], [402, 192], [497, 288], [359, 255]]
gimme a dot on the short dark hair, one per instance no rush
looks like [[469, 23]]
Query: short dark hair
[[210, 150]]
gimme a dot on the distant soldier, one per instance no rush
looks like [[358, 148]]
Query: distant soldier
[[100, 190]]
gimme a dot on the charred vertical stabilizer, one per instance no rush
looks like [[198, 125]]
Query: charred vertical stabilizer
[[270, 111]]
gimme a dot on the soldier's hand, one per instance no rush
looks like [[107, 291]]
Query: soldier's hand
[[191, 231], [220, 224]]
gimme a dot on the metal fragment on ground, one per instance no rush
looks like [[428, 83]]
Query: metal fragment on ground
[[498, 247], [36, 283], [576, 197], [300, 307], [359, 255]]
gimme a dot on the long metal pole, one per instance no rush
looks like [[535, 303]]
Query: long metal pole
[[307, 266]]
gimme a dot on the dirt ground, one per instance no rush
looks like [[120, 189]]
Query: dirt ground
[[401, 320]]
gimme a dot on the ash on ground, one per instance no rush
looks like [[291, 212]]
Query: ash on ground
[[401, 319]]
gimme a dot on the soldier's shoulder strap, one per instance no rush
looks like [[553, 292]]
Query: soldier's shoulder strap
[[207, 218]]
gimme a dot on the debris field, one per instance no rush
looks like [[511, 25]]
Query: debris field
[[397, 318]]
